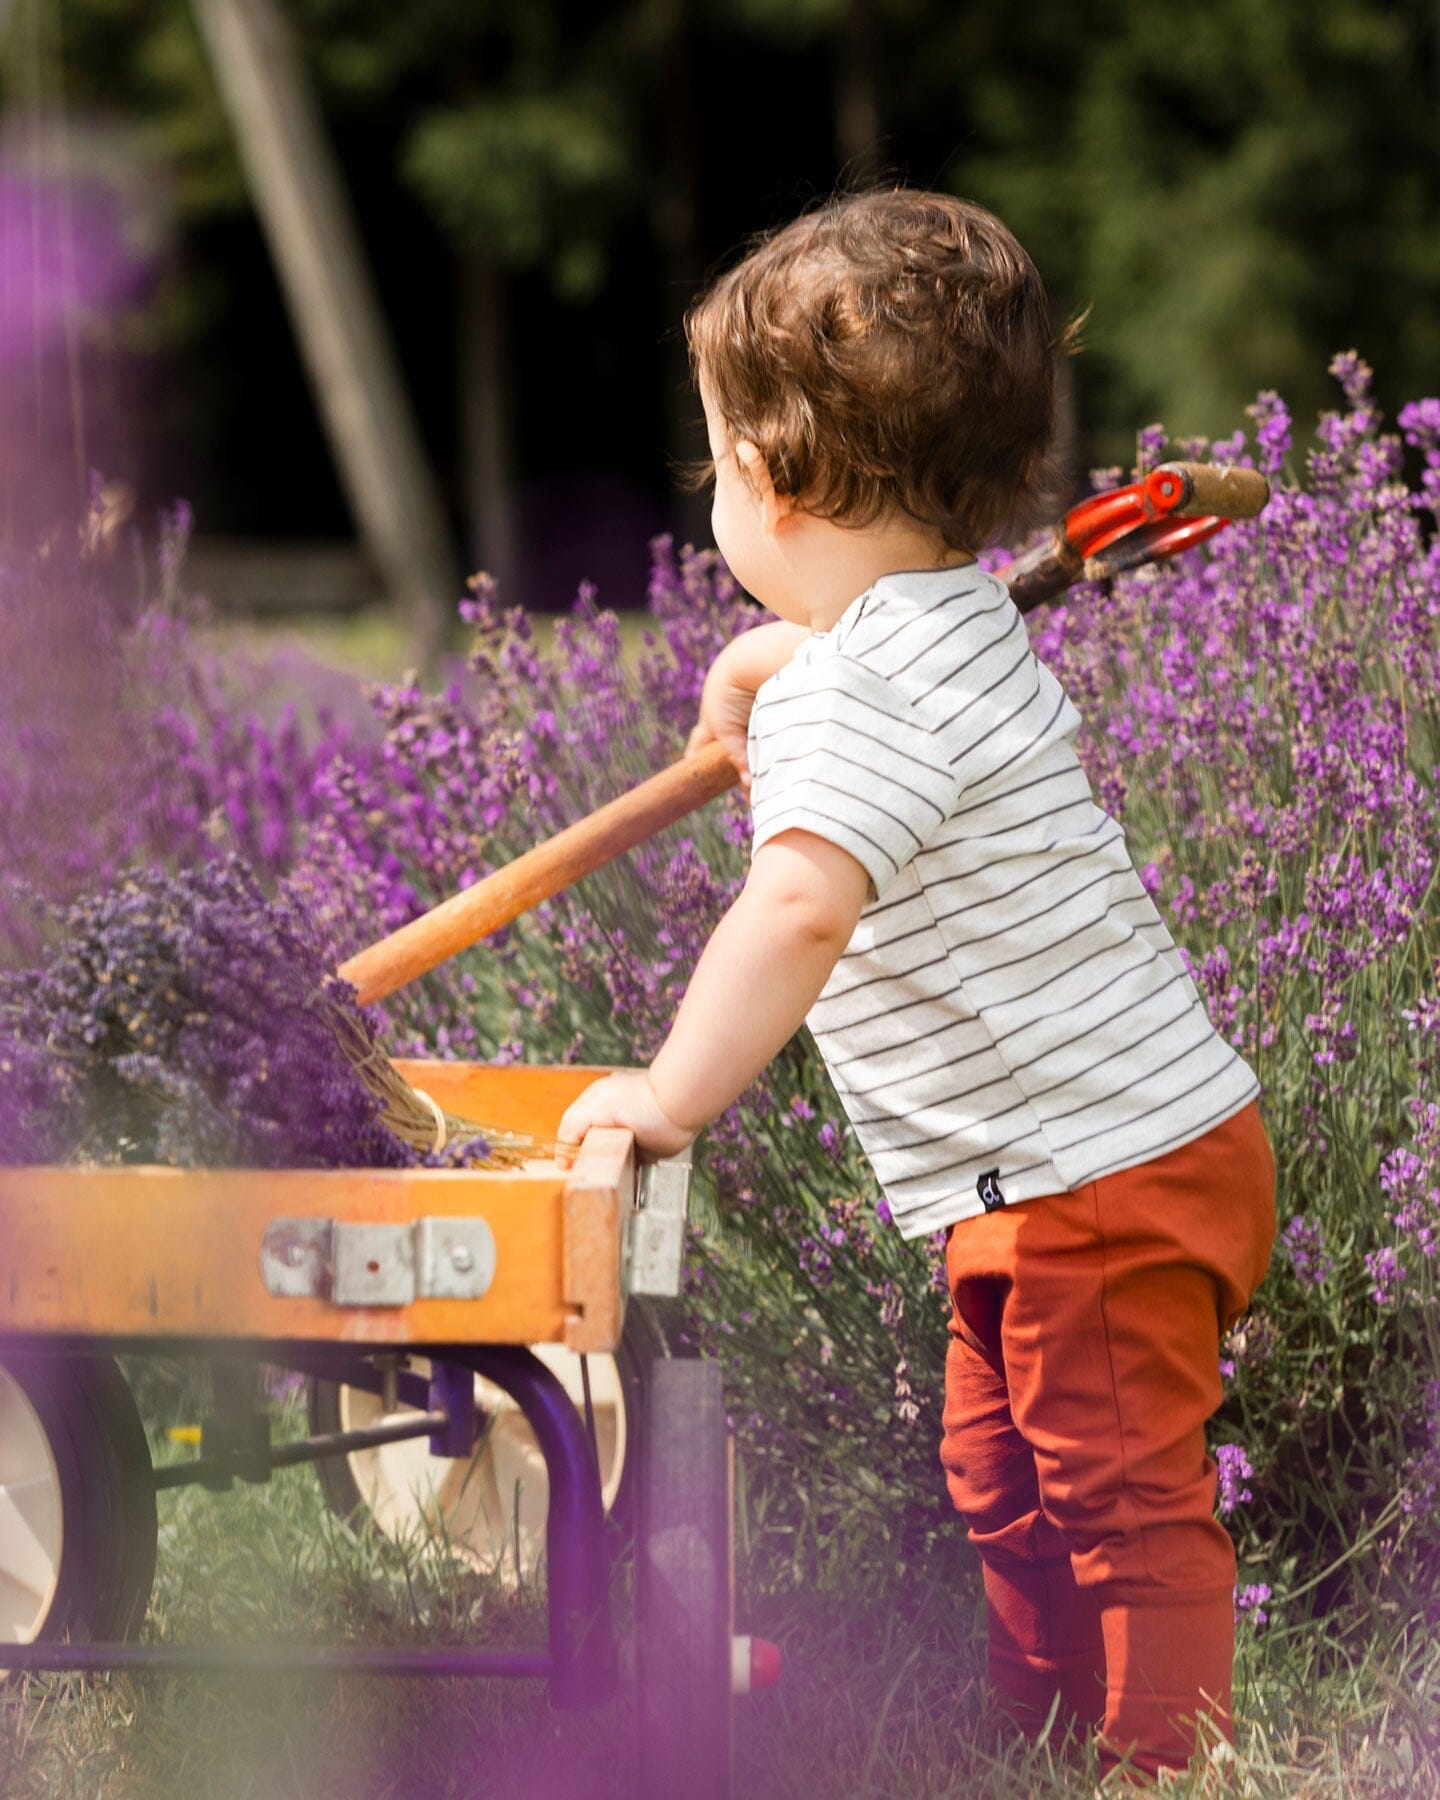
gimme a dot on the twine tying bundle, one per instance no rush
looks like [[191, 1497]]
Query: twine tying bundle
[[441, 1135]]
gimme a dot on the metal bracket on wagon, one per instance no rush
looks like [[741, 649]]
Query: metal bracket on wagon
[[656, 1256], [377, 1265]]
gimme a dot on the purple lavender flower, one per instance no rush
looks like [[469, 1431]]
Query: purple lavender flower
[[1303, 1243], [1354, 375], [1250, 1603], [1149, 448], [1386, 1273], [1272, 431], [1233, 1471]]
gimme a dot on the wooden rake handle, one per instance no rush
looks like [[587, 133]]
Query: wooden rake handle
[[462, 920]]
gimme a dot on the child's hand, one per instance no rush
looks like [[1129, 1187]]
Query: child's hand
[[725, 717], [742, 667], [625, 1099]]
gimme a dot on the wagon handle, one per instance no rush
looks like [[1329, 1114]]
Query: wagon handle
[[474, 913], [1100, 536]]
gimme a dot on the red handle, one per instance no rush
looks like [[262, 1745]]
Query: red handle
[[1175, 507]]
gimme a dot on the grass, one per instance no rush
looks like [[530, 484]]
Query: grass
[[881, 1697], [372, 643]]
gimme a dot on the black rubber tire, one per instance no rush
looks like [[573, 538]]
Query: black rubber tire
[[652, 1332], [683, 1587], [107, 1495]]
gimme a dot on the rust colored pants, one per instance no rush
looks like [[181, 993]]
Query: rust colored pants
[[1083, 1364]]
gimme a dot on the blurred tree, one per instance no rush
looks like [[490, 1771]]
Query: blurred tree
[[530, 163], [1236, 192], [302, 202], [536, 133]]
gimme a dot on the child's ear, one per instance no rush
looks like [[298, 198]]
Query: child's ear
[[773, 507]]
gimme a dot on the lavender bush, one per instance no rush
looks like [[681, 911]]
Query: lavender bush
[[187, 1019], [163, 994], [1265, 720], [126, 740]]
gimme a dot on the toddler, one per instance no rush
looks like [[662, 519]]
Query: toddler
[[1001, 1009]]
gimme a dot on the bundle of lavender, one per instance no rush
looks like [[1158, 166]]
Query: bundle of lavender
[[193, 1019]]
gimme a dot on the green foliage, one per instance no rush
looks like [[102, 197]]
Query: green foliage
[[528, 178], [1235, 193]]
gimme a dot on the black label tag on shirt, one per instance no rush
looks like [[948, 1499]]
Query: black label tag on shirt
[[988, 1188]]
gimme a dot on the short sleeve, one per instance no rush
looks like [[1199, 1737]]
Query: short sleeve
[[837, 751]]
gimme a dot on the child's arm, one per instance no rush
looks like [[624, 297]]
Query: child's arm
[[760, 974], [741, 668]]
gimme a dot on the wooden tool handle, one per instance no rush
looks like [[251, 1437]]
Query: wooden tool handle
[[1217, 488], [535, 875], [465, 918]]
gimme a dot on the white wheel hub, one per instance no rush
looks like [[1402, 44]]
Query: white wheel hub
[[483, 1506], [32, 1527]]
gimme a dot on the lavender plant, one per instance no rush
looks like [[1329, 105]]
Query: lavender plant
[[1265, 721], [126, 740], [135, 748], [187, 1019]]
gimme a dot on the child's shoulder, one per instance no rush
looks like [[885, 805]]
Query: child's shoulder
[[919, 634]]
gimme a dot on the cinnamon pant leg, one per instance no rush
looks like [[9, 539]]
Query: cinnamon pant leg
[[1042, 1633], [1111, 1333]]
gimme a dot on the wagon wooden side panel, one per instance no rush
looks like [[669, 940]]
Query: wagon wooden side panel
[[151, 1252]]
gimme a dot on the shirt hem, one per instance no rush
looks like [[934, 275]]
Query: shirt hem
[[921, 1218]]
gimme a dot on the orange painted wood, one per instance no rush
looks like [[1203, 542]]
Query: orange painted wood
[[156, 1253], [148, 1252], [596, 1211], [462, 920], [515, 1097]]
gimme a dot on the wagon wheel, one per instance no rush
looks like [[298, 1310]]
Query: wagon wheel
[[684, 1587], [479, 1503], [77, 1502]]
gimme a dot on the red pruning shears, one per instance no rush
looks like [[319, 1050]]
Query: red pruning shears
[[1173, 508]]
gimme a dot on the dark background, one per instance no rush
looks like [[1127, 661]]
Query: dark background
[[1235, 191]]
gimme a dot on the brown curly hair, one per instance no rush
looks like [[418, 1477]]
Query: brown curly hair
[[890, 349]]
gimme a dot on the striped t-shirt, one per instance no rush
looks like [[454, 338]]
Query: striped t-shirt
[[1011, 1017]]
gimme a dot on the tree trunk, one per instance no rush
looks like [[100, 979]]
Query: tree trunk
[[299, 196], [857, 109], [485, 425], [677, 236]]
